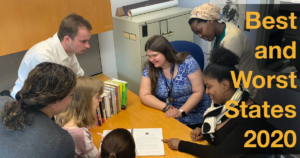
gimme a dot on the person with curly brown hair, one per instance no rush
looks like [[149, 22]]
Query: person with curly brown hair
[[225, 135], [26, 127]]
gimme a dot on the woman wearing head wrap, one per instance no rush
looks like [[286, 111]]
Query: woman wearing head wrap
[[204, 22], [225, 135]]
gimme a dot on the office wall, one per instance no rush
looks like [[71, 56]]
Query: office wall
[[106, 42], [283, 97], [25, 23]]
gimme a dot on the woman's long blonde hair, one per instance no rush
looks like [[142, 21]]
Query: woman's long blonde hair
[[81, 109]]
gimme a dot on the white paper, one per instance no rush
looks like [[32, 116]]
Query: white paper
[[151, 8], [147, 141]]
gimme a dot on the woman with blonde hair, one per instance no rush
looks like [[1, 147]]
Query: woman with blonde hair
[[80, 115]]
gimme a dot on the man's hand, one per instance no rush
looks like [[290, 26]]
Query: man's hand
[[196, 134], [173, 143]]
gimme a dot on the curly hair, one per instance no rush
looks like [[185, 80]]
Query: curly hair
[[45, 84], [222, 61]]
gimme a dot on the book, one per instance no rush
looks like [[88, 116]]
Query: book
[[121, 90], [147, 141], [115, 91], [124, 91], [113, 98], [104, 105], [103, 116], [99, 118], [98, 122], [109, 107]]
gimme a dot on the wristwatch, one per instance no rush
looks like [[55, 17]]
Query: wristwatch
[[183, 114]]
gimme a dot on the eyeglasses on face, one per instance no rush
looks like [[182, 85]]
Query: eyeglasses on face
[[151, 56]]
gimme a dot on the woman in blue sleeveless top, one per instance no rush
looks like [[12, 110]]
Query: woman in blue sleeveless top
[[172, 82]]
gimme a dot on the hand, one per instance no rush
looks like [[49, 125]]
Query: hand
[[173, 143], [173, 112], [196, 134], [100, 134]]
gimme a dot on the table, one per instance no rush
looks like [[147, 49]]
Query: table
[[138, 115]]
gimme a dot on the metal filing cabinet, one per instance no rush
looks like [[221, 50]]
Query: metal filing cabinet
[[132, 33]]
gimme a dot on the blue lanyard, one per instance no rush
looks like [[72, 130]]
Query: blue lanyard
[[169, 89]]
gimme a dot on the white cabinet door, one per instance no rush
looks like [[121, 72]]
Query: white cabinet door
[[179, 29]]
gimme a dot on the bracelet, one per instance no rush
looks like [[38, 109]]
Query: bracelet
[[166, 108]]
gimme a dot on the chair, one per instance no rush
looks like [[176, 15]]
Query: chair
[[194, 49]]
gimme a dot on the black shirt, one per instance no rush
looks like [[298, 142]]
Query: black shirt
[[229, 140]]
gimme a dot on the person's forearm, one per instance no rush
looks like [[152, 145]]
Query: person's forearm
[[207, 151], [192, 102], [153, 102]]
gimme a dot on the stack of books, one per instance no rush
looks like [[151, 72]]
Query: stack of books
[[114, 99]]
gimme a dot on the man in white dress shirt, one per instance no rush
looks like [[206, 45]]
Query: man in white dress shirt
[[72, 38]]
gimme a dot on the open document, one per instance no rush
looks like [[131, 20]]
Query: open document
[[147, 141]]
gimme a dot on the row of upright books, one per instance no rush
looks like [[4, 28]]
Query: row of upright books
[[114, 99]]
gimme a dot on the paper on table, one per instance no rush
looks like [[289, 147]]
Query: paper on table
[[151, 8], [147, 141]]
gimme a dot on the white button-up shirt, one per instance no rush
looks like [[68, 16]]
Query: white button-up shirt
[[49, 50]]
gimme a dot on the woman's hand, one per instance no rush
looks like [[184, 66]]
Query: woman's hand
[[173, 143], [101, 135], [173, 112], [196, 134]]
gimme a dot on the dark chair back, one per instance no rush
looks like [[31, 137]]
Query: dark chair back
[[194, 49]]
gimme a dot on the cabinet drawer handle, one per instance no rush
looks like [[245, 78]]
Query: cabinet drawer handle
[[168, 34]]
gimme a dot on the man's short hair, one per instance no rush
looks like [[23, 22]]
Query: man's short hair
[[70, 24]]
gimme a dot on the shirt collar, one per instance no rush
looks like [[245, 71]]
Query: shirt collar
[[60, 50]]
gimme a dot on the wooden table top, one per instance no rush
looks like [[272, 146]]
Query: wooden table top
[[138, 115]]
